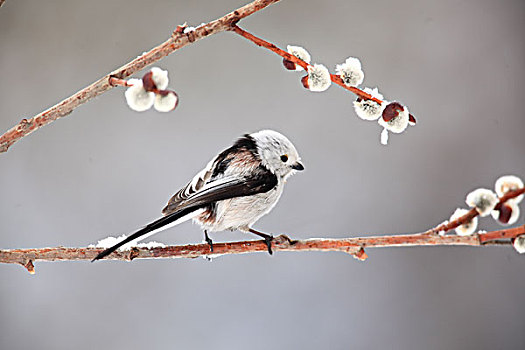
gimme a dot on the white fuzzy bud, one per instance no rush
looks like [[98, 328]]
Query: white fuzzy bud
[[368, 109], [166, 102], [507, 214], [318, 78], [397, 116], [519, 244], [137, 97], [160, 78], [467, 228], [509, 183], [300, 53], [350, 72], [384, 137], [483, 200]]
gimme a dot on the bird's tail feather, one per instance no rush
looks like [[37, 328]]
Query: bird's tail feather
[[154, 227]]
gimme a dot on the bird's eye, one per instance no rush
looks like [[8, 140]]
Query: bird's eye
[[284, 158]]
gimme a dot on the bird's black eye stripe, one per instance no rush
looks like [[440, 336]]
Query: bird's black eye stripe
[[284, 158]]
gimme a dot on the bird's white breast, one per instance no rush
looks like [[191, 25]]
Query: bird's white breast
[[241, 212]]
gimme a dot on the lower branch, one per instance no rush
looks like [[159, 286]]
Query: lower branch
[[354, 246]]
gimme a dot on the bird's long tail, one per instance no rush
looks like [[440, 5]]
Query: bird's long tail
[[154, 227]]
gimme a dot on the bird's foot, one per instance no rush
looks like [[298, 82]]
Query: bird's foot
[[208, 240], [267, 239]]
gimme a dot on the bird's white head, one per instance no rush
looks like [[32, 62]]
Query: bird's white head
[[277, 153]]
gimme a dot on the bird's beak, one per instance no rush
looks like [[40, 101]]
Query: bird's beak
[[298, 166]]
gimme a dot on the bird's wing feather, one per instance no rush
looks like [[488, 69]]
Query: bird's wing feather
[[191, 188], [227, 187], [231, 162], [231, 187]]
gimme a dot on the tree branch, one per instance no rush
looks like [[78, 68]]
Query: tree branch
[[335, 78], [178, 40], [354, 246]]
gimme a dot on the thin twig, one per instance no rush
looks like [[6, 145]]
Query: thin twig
[[178, 40], [472, 213], [335, 78], [354, 246]]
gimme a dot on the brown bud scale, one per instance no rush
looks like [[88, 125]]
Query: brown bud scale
[[505, 212], [392, 110], [288, 64], [148, 83], [304, 80], [165, 92]]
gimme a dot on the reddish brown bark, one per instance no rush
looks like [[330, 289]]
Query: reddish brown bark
[[355, 246]]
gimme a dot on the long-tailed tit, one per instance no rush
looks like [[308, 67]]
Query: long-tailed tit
[[237, 187]]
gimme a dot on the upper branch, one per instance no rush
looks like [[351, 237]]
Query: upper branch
[[178, 40], [336, 79]]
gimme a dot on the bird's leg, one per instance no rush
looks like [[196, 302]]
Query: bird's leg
[[208, 239], [267, 238]]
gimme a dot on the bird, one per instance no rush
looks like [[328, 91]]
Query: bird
[[236, 188]]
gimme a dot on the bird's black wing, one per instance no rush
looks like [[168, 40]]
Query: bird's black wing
[[244, 148], [259, 181], [190, 189]]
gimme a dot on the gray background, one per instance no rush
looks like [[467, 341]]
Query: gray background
[[106, 170]]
